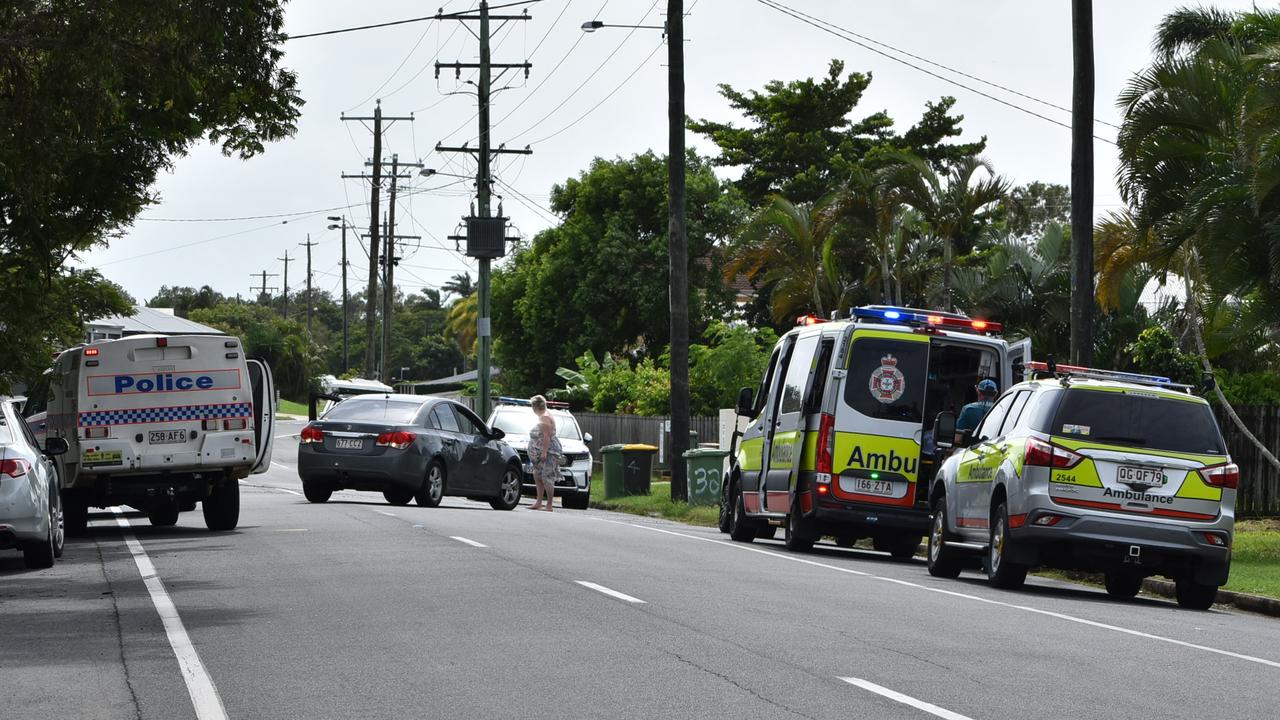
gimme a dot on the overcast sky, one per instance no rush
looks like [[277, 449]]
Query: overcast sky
[[578, 103]]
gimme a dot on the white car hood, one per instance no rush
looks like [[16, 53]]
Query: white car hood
[[521, 442]]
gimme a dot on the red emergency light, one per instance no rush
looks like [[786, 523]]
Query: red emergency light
[[966, 323], [809, 320]]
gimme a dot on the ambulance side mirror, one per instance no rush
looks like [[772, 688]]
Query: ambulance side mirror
[[745, 406], [944, 429]]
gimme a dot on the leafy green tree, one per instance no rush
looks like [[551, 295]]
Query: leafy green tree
[[282, 343], [95, 100], [185, 299], [732, 358], [459, 286], [1029, 209], [1156, 352], [800, 140], [598, 282]]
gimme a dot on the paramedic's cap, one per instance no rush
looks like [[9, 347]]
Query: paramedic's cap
[[988, 387]]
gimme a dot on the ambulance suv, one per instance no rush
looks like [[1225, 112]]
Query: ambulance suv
[[1095, 470], [840, 440], [160, 423]]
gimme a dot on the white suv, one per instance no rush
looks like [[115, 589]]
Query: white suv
[[515, 417]]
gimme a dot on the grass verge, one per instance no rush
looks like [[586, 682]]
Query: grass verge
[[656, 504], [289, 407], [1255, 558]]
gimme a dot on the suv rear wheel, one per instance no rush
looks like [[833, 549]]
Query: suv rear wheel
[[1000, 571], [944, 562], [1123, 583], [1193, 595]]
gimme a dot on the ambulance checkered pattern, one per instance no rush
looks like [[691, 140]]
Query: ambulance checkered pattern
[[165, 414]]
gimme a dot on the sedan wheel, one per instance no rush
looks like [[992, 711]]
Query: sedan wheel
[[432, 491], [397, 496], [59, 530], [509, 492]]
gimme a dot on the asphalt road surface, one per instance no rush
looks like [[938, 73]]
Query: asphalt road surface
[[359, 609]]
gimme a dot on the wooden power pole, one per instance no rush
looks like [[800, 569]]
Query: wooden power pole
[[678, 249], [1082, 303]]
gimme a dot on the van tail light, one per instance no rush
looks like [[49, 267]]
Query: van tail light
[[1043, 454], [211, 424], [95, 432], [235, 424], [14, 468], [1226, 475], [398, 440], [826, 442], [311, 434]]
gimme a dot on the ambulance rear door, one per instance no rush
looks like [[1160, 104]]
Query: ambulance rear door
[[264, 412], [784, 440]]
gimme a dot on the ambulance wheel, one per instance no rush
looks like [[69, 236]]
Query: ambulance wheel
[[944, 562], [799, 538], [222, 507], [75, 515], [740, 529], [1193, 595], [316, 493], [903, 547], [1001, 572], [163, 513], [726, 510], [1123, 583]]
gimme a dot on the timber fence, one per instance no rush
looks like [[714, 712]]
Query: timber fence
[[1259, 491], [608, 429]]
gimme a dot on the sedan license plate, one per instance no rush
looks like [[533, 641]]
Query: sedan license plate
[[867, 486], [166, 437], [1136, 475], [348, 443]]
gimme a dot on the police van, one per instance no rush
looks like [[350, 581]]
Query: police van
[[840, 438], [160, 423]]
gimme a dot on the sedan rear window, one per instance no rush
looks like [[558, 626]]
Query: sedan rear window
[[394, 412], [1147, 421]]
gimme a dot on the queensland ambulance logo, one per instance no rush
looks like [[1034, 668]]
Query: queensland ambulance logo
[[887, 382]]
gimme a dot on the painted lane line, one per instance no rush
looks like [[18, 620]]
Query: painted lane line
[[270, 487], [966, 596], [905, 699], [609, 592], [384, 512], [281, 466], [281, 437], [465, 541], [204, 696]]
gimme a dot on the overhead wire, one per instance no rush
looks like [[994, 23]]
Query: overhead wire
[[406, 21], [603, 100]]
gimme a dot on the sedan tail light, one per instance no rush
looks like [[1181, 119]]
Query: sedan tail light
[[1226, 475], [1044, 454], [14, 468], [311, 434], [398, 440]]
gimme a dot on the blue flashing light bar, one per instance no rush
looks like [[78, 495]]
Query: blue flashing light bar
[[1099, 374], [909, 316]]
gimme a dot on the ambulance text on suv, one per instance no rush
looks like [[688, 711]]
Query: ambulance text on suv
[[1094, 470], [841, 434]]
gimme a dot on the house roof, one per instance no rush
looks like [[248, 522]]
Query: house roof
[[158, 321]]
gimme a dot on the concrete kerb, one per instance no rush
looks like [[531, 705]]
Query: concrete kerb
[[1243, 601]]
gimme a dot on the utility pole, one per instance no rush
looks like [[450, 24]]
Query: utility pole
[[262, 291], [1082, 304], [389, 238], [346, 312], [486, 234], [678, 248], [390, 258], [286, 260], [310, 300], [371, 312]]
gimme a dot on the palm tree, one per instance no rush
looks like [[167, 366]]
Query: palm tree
[[459, 285], [953, 207], [460, 323]]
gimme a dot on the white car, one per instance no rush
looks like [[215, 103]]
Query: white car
[[515, 417], [30, 510]]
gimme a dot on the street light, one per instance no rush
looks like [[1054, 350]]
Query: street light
[[678, 244], [428, 172], [346, 365]]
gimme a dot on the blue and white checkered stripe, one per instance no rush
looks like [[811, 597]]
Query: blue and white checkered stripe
[[165, 414]]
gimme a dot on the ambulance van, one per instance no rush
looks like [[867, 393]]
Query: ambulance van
[[840, 437], [160, 423]]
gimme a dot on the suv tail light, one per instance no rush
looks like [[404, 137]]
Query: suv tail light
[[1226, 475], [826, 442], [311, 434], [398, 440], [1043, 454], [14, 468]]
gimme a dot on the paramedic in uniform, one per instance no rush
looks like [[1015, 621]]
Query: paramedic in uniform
[[972, 414]]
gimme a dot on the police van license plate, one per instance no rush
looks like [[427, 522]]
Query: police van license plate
[[166, 437], [1135, 475], [348, 443], [867, 486]]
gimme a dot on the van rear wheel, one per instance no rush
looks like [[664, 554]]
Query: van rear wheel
[[222, 507], [75, 515], [163, 513], [800, 536], [740, 529]]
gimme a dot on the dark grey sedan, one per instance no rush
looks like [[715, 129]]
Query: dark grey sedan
[[408, 447]]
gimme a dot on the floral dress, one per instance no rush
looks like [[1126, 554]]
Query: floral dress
[[546, 468]]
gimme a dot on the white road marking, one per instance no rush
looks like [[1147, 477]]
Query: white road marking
[[952, 593], [204, 696], [905, 699], [607, 591], [384, 512], [284, 490], [281, 466], [281, 437], [472, 543]]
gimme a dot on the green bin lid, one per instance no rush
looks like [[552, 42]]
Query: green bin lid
[[706, 453], [612, 448], [639, 447]]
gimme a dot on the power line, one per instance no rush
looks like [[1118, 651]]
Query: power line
[[395, 72], [425, 18], [605, 99], [833, 30]]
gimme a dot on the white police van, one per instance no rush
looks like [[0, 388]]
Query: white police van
[[160, 423]]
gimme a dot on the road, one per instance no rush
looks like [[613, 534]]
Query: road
[[359, 609]]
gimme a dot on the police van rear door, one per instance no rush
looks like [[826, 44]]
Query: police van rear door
[[264, 412]]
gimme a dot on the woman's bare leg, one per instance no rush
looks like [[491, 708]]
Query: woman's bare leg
[[551, 496], [537, 491]]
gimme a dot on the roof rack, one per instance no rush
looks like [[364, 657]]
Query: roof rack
[[1066, 373], [935, 319], [558, 404]]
